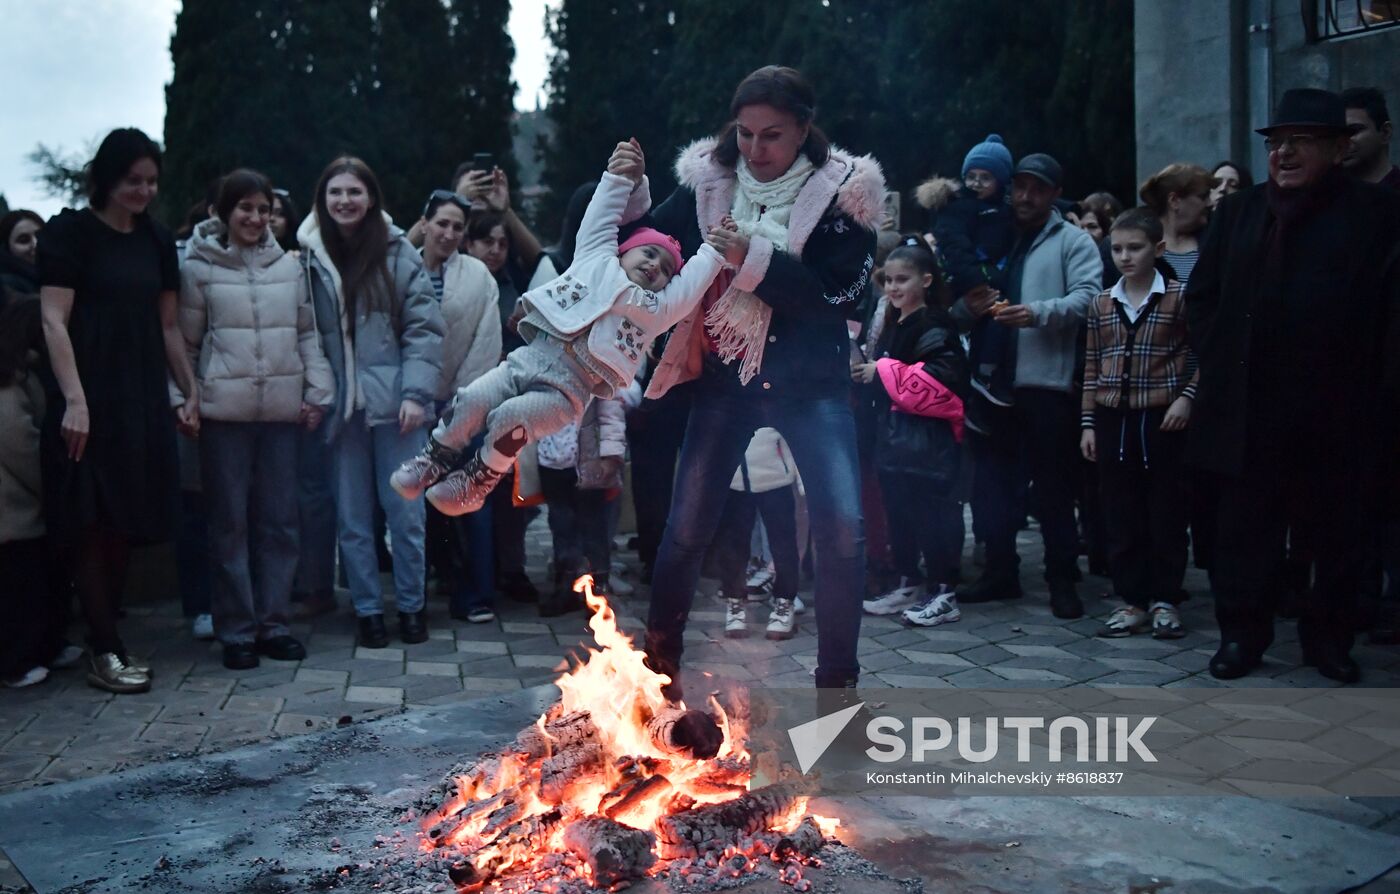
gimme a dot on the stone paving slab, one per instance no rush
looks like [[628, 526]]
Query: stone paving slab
[[119, 828], [64, 729]]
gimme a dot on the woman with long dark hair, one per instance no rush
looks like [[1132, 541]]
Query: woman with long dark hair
[[769, 347], [381, 329], [110, 281]]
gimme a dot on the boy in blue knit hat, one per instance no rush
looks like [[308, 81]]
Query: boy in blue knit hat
[[972, 227]]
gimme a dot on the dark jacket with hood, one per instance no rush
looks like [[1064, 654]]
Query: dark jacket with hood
[[973, 235]]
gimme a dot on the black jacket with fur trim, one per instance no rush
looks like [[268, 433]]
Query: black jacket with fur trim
[[812, 290], [973, 235]]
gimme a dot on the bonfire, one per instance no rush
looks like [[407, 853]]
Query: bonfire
[[614, 783]]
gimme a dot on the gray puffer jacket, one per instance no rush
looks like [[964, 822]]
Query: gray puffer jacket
[[393, 355], [250, 331]]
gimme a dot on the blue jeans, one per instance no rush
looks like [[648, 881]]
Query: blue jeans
[[364, 457], [249, 471], [316, 510], [821, 433]]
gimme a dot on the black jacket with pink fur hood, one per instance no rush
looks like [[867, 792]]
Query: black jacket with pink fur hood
[[812, 290]]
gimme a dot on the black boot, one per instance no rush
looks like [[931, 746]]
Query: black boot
[[1064, 600], [563, 599], [372, 632], [518, 587], [994, 585], [1232, 661], [413, 626]]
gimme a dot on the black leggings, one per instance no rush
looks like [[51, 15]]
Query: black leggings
[[100, 557], [735, 532]]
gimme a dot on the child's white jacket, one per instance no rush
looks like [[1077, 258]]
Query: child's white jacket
[[595, 294]]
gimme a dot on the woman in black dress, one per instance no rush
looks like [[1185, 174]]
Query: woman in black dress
[[110, 279]]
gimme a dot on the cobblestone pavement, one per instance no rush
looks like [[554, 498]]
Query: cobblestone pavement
[[64, 729]]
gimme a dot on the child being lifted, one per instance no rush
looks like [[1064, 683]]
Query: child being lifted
[[587, 332]]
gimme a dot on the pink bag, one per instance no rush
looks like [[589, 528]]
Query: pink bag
[[912, 390]]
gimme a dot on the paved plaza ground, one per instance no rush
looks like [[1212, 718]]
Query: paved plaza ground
[[64, 729]]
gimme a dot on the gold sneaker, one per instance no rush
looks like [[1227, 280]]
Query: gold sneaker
[[108, 671]]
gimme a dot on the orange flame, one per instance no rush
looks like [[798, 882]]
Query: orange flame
[[620, 695]]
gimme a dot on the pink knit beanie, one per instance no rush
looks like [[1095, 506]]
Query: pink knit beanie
[[648, 236]]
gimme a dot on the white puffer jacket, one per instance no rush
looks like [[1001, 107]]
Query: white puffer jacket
[[250, 330], [471, 344]]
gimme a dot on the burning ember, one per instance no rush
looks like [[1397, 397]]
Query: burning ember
[[614, 783]]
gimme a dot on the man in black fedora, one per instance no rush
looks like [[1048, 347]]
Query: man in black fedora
[[1289, 308]]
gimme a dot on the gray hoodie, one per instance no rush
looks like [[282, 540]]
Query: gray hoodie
[[1062, 274]]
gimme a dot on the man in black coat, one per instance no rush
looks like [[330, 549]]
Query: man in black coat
[[1288, 310]]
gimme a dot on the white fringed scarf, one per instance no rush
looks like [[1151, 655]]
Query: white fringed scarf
[[738, 321]]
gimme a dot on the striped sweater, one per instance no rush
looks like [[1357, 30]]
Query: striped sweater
[[1136, 365]]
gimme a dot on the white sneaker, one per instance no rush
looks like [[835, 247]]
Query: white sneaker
[[735, 619], [31, 677], [1166, 621], [934, 609], [782, 620], [760, 577], [68, 657], [203, 626], [798, 606], [901, 597]]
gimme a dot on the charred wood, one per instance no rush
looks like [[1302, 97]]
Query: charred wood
[[690, 832], [613, 851]]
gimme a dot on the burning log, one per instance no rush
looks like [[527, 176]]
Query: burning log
[[523, 838], [560, 734], [804, 841], [689, 833], [445, 830], [563, 769], [689, 733], [729, 774], [614, 852], [632, 794]]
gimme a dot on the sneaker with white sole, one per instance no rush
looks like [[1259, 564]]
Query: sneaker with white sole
[[735, 618], [760, 576], [782, 620], [203, 626], [67, 657], [416, 475], [896, 600], [466, 489], [936, 608], [32, 677], [619, 586], [1166, 621], [1126, 620]]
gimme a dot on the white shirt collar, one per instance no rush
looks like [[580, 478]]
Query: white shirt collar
[[1159, 287]]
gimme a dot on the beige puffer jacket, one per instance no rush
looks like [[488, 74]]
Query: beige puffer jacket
[[250, 330], [472, 343]]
